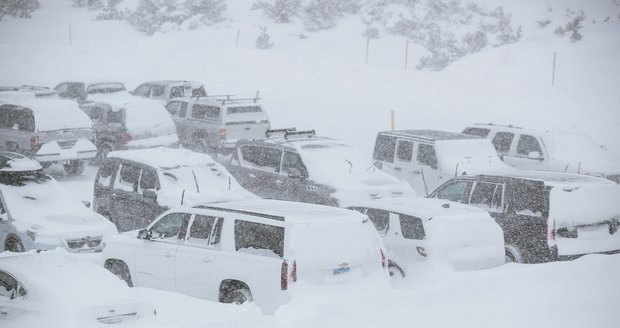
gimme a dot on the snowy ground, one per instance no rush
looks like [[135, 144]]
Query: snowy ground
[[323, 83]]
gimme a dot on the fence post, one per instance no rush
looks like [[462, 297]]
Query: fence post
[[553, 72], [70, 41], [392, 120], [237, 39], [367, 47], [406, 52]]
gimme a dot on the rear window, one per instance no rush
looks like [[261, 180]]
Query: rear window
[[412, 227], [502, 142], [205, 112], [259, 239], [15, 118], [477, 132], [244, 109], [384, 148]]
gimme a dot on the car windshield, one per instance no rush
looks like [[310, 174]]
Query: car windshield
[[105, 88]]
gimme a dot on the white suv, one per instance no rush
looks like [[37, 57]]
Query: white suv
[[248, 250]]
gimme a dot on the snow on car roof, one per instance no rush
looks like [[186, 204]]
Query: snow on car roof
[[194, 84], [294, 212], [51, 114], [164, 157], [14, 162], [558, 178], [431, 135], [423, 208]]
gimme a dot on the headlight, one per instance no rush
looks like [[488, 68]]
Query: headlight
[[32, 234]]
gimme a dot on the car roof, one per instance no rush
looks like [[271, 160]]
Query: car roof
[[424, 208], [290, 212], [174, 82], [547, 177], [164, 158], [430, 135], [506, 127], [298, 142], [14, 162]]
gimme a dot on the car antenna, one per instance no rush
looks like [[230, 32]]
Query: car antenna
[[350, 168], [196, 181], [424, 180], [182, 196]]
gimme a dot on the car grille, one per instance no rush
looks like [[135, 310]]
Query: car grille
[[86, 241], [67, 144]]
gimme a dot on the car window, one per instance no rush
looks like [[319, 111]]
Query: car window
[[477, 132], [176, 92], [16, 118], [411, 227], [205, 231], [404, 150], [384, 148], [115, 117], [148, 179], [426, 155], [62, 87], [104, 176], [264, 158], [143, 90], [497, 203], [9, 287], [502, 142], [2, 210], [528, 144], [482, 195], [169, 226], [457, 191], [183, 110], [157, 91], [293, 164], [259, 239], [200, 111], [380, 219], [173, 107], [530, 199], [96, 113], [128, 178]]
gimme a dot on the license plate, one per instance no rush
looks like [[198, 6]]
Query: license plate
[[341, 271]]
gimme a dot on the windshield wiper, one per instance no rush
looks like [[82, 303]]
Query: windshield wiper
[[196, 181]]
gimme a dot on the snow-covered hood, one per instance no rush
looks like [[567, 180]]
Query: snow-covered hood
[[470, 156], [582, 154], [51, 114]]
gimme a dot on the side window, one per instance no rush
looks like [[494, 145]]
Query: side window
[[199, 111], [157, 91], [201, 230], [183, 110], [497, 203], [128, 178], [528, 144], [104, 176], [293, 165], [269, 159], [62, 87], [384, 148], [96, 114], [169, 226], [482, 195], [259, 239], [115, 118], [456, 191], [2, 210], [404, 150], [502, 142], [24, 121], [250, 155], [213, 113], [143, 90], [176, 92], [530, 199], [426, 155], [380, 219], [173, 107], [411, 227], [9, 287], [149, 180], [476, 132]]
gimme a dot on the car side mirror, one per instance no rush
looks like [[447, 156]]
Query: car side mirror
[[86, 203], [295, 173], [150, 194], [4, 217], [144, 234], [534, 155]]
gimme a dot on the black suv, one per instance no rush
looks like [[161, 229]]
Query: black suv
[[545, 216]]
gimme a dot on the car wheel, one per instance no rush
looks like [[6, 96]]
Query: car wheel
[[13, 244], [240, 296], [74, 167], [513, 255], [119, 269], [395, 271]]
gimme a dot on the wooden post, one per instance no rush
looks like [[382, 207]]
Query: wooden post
[[70, 41], [392, 120], [237, 39], [553, 72], [367, 47], [406, 52]]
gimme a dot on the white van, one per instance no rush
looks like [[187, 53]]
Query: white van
[[428, 158], [247, 250]]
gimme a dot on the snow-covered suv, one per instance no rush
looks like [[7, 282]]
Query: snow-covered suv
[[300, 166], [168, 89], [248, 250], [37, 212], [562, 151]]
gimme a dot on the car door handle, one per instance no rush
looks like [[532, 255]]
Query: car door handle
[[397, 169], [168, 254], [207, 259]]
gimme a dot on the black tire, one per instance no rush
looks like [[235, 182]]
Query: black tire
[[240, 296], [13, 244], [74, 167], [119, 269], [395, 270]]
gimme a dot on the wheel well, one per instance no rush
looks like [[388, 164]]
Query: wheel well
[[392, 264], [229, 285], [110, 263], [514, 251], [9, 237]]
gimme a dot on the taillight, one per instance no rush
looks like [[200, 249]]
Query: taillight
[[294, 271], [284, 276], [550, 232], [383, 260], [126, 137], [34, 143], [222, 133]]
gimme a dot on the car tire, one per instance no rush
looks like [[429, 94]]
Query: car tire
[[240, 296], [74, 167], [513, 255], [119, 269], [13, 244]]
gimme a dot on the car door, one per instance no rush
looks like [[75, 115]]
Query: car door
[[405, 167], [407, 238], [149, 184], [128, 202], [13, 298], [155, 256], [292, 182], [430, 176], [113, 129], [175, 108], [526, 153], [102, 195], [17, 128], [455, 190], [143, 90], [197, 257], [384, 153], [257, 169]]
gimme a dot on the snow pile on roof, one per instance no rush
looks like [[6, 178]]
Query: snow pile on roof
[[52, 114]]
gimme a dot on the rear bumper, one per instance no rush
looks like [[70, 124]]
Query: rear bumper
[[53, 151]]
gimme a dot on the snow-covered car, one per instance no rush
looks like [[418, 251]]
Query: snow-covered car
[[417, 229], [215, 124], [133, 187], [28, 92], [569, 151], [123, 121], [168, 89], [545, 216], [53, 289], [48, 130], [300, 166], [428, 158], [79, 91], [37, 212], [250, 250]]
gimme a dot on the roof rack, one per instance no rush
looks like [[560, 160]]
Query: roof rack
[[228, 97], [224, 209], [279, 132], [233, 100], [508, 126], [307, 133]]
